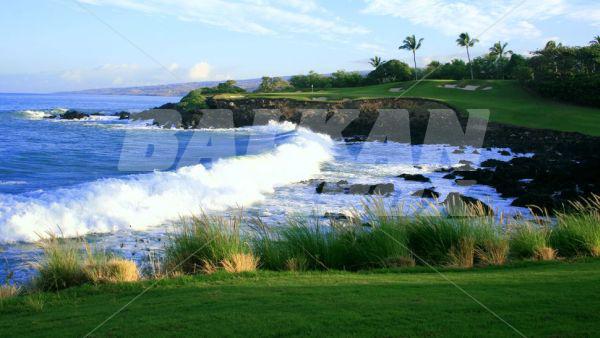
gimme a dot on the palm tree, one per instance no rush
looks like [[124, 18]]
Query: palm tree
[[498, 51], [464, 40], [410, 43], [375, 61], [596, 40]]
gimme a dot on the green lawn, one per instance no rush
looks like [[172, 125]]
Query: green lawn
[[539, 299], [507, 101]]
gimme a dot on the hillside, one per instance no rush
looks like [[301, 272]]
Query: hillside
[[507, 101], [176, 89], [537, 299]]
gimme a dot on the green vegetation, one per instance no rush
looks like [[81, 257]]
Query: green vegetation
[[272, 84], [203, 243], [70, 262], [464, 40], [507, 101], [194, 100], [538, 299], [218, 283], [228, 86], [578, 232], [410, 43], [531, 241]]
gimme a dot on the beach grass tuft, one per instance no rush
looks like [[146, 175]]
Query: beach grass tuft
[[240, 262], [577, 233], [202, 243], [530, 240], [61, 264]]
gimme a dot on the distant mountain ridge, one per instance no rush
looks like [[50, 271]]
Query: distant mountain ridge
[[175, 89]]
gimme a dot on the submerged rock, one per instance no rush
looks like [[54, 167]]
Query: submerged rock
[[460, 205], [426, 193], [374, 189], [465, 183], [338, 216], [343, 187], [73, 115], [415, 177], [123, 115]]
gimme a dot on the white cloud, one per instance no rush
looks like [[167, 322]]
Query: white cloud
[[263, 17], [371, 47], [173, 67], [489, 20], [200, 71]]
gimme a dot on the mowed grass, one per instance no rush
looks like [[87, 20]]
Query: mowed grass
[[507, 101], [537, 298]]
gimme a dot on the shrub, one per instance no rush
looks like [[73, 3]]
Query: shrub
[[390, 71], [441, 240], [227, 87], [384, 243], [8, 291], [202, 241], [240, 262], [65, 263], [61, 264], [578, 233], [580, 89], [193, 101], [491, 243], [111, 270], [311, 80], [530, 241], [323, 247]]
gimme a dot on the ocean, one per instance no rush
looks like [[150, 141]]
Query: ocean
[[123, 183]]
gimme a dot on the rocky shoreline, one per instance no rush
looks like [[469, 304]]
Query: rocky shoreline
[[564, 167]]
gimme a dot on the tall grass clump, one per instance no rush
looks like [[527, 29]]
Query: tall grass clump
[[384, 243], [8, 291], [372, 238], [71, 262], [439, 240], [202, 243], [577, 233], [491, 242], [240, 262], [530, 240], [61, 264], [316, 246], [101, 268]]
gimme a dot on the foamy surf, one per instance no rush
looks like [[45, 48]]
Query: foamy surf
[[145, 200]]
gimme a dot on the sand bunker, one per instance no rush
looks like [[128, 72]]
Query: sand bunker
[[467, 87], [396, 90]]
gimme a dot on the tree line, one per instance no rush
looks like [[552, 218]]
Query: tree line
[[569, 73]]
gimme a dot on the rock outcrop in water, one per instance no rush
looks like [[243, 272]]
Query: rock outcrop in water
[[73, 115], [343, 187]]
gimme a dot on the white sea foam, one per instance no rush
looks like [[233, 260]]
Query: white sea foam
[[35, 114], [144, 200]]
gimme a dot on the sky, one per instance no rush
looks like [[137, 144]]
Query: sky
[[59, 45]]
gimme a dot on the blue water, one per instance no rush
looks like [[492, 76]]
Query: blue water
[[45, 154], [66, 174], [51, 170]]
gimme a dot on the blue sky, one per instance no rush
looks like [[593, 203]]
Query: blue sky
[[59, 45]]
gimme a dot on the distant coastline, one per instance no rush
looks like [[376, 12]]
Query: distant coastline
[[175, 89]]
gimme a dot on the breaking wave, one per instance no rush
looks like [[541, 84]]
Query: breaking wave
[[144, 200]]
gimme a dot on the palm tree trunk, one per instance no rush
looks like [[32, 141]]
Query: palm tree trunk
[[415, 61], [470, 65]]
